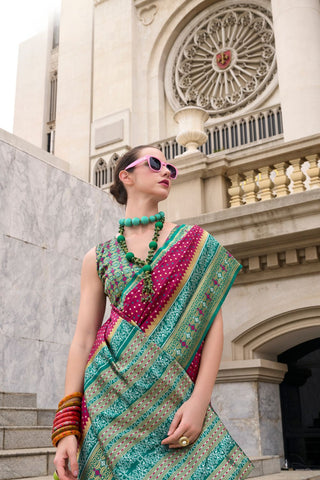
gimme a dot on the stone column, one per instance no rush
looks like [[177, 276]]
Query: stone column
[[297, 37], [246, 396]]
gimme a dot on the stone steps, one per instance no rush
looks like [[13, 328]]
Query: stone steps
[[22, 416], [48, 477], [19, 400], [265, 465], [25, 438], [292, 475], [30, 462], [26, 452]]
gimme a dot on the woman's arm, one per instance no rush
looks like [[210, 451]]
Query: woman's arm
[[188, 420], [91, 312], [90, 317]]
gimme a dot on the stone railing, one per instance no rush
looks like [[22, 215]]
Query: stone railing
[[254, 128], [243, 131], [283, 170]]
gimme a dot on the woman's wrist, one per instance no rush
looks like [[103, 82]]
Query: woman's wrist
[[67, 420], [201, 400]]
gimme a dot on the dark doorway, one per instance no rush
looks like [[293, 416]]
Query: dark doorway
[[300, 405]]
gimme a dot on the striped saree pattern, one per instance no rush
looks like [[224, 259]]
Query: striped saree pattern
[[144, 362]]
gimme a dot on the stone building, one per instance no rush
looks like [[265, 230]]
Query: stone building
[[230, 91]]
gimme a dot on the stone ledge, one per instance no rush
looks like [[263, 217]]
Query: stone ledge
[[33, 150], [255, 370], [262, 227]]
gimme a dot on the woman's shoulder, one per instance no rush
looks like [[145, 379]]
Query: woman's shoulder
[[196, 229], [95, 254], [200, 233]]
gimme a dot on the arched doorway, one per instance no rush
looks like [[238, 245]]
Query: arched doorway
[[300, 404]]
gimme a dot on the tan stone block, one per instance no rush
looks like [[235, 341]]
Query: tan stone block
[[311, 254], [292, 257], [272, 260], [254, 264]]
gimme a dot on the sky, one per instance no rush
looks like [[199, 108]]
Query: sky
[[19, 20]]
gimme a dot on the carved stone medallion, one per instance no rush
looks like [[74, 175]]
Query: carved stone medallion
[[224, 59]]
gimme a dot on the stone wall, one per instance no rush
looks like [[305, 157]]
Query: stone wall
[[49, 219]]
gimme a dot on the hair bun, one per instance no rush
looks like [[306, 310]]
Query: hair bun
[[117, 188]]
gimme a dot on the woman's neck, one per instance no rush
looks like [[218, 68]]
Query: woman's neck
[[140, 209]]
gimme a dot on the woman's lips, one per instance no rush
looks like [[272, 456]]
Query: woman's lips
[[165, 182]]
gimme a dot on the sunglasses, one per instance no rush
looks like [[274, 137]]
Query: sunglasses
[[155, 165]]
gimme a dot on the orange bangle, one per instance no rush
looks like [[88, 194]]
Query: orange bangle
[[69, 397], [66, 428], [65, 434], [74, 403]]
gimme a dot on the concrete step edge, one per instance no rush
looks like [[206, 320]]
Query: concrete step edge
[[28, 409], [291, 475], [27, 451], [36, 478], [21, 409], [26, 427], [264, 457]]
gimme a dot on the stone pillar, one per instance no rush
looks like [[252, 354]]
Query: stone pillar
[[246, 396], [74, 86], [297, 37]]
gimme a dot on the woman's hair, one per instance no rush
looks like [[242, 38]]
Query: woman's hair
[[117, 189]]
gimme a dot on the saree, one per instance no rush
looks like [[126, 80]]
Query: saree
[[145, 360]]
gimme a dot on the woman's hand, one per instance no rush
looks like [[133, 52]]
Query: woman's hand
[[67, 455], [187, 422]]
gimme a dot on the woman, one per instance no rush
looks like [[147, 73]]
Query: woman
[[147, 373]]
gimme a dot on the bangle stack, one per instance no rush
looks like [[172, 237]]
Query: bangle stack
[[68, 418]]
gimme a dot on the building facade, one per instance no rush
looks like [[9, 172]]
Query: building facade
[[230, 91]]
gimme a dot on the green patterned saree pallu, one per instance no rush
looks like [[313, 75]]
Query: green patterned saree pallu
[[145, 360]]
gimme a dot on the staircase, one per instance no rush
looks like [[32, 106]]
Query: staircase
[[26, 451], [25, 437]]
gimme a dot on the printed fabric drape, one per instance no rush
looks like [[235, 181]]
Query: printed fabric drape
[[145, 360]]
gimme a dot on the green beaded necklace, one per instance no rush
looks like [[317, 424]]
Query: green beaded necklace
[[159, 220]]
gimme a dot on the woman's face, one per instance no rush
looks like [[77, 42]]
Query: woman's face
[[147, 181]]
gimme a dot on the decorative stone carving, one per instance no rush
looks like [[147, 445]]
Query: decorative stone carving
[[224, 59], [146, 10], [191, 127]]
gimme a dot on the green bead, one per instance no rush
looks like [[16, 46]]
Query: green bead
[[135, 221], [130, 256], [152, 218], [121, 221], [159, 225], [153, 245], [147, 268], [128, 222], [144, 220], [157, 216], [161, 214], [120, 238]]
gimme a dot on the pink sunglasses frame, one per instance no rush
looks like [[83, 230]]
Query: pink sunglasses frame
[[147, 157]]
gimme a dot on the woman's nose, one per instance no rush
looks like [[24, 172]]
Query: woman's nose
[[167, 171]]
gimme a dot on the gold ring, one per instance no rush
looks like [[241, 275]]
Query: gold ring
[[184, 441]]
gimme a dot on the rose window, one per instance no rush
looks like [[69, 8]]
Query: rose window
[[223, 60]]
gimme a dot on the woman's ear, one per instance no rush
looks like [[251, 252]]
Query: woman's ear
[[125, 177]]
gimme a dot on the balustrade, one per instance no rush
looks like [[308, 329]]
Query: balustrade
[[274, 180], [313, 170], [285, 170], [240, 132]]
